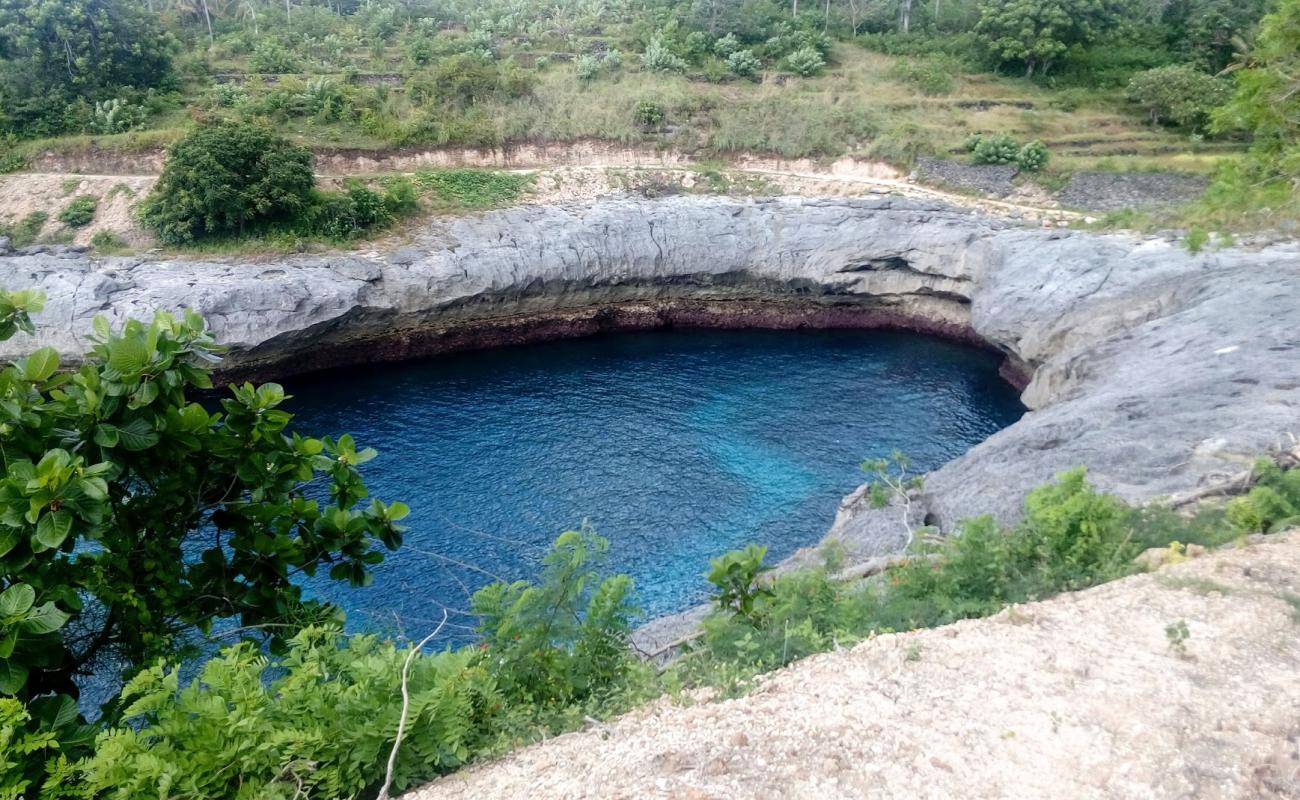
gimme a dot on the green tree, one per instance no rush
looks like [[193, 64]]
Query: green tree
[[129, 512], [1266, 101], [223, 177], [1039, 32], [54, 51], [1178, 94]]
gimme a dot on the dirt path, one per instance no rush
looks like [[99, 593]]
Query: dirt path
[[1081, 696]]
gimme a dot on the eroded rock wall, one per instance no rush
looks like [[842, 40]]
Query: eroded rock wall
[[1158, 369]]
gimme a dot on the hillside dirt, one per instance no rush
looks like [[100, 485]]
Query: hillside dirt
[[568, 173], [1082, 696]]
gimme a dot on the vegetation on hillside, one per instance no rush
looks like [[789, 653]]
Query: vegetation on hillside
[[1111, 84], [136, 521]]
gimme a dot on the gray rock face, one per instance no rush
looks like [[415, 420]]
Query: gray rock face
[[1159, 370]]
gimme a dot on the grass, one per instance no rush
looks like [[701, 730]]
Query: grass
[[859, 106], [470, 189], [25, 231]]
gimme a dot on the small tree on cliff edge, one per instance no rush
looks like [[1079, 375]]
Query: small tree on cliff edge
[[224, 177]]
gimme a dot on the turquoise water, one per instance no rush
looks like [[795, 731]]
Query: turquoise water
[[676, 446]]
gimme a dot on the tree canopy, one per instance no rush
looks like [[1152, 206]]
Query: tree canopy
[[1039, 32], [55, 51]]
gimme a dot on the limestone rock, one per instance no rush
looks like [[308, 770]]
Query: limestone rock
[[1159, 370]]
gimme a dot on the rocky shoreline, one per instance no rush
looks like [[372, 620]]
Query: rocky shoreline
[[1160, 370]]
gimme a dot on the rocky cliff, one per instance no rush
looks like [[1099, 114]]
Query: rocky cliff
[[1162, 371]]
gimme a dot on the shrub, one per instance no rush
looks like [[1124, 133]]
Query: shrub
[[79, 212], [744, 63], [25, 231], [997, 149], [649, 114], [167, 514], [107, 242], [271, 57], [1032, 157], [400, 197], [1273, 503], [658, 58], [325, 712], [586, 67], [562, 640], [726, 46], [222, 178], [344, 215], [613, 60], [736, 575], [930, 75], [1178, 95], [805, 62], [116, 116]]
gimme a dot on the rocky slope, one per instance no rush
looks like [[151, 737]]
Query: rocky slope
[[1081, 696], [1162, 371]]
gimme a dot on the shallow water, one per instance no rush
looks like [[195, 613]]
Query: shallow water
[[676, 446]]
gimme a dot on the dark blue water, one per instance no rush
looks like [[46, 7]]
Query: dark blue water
[[676, 446]]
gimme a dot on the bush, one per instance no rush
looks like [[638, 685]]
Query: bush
[[1032, 157], [805, 62], [658, 58], [744, 63], [116, 116], [106, 242], [930, 75], [326, 708], [271, 57], [25, 231], [736, 575], [649, 114], [726, 46], [79, 212], [1178, 95], [998, 149], [1273, 503], [223, 178], [586, 67], [344, 215], [563, 640]]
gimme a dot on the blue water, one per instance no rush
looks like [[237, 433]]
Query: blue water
[[676, 446]]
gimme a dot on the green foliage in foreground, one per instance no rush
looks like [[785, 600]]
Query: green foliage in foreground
[[129, 513], [1071, 537], [320, 720]]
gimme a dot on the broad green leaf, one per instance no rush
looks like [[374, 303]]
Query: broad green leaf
[[12, 676], [106, 435], [46, 619], [41, 364], [137, 435], [7, 641], [128, 356], [16, 600], [8, 539], [52, 529]]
